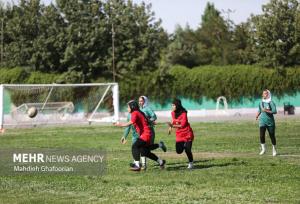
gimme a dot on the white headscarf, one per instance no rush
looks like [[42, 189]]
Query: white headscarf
[[146, 101], [269, 99]]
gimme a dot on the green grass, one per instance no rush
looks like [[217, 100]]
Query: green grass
[[227, 167]]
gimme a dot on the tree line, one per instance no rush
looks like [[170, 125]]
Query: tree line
[[76, 37], [97, 41], [271, 39]]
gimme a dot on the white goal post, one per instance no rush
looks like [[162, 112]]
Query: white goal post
[[58, 103]]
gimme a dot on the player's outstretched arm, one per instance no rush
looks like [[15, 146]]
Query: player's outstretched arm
[[118, 124], [257, 115], [174, 126]]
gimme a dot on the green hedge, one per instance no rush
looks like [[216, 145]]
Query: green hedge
[[233, 82], [19, 75], [13, 75], [156, 85]]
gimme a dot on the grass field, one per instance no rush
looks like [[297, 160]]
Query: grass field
[[227, 167]]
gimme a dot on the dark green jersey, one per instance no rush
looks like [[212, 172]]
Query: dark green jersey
[[151, 116], [267, 119]]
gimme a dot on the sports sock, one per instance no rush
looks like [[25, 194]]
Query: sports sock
[[143, 159], [137, 163], [160, 161]]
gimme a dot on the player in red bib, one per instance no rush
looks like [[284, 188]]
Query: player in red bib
[[184, 132], [141, 146]]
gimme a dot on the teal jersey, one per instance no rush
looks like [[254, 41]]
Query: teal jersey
[[135, 135], [149, 114], [267, 119]]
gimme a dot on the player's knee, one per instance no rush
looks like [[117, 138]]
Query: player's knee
[[134, 145], [179, 151], [188, 151], [144, 151]]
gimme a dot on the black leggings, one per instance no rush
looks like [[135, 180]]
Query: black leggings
[[187, 146], [140, 148], [271, 130], [153, 146]]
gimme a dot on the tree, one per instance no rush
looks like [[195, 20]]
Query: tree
[[86, 37], [50, 44], [138, 37], [22, 27], [75, 37], [183, 48], [215, 35], [243, 41], [277, 33]]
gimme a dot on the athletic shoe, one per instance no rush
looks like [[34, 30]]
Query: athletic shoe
[[162, 166], [162, 146], [262, 152], [190, 165], [131, 164], [274, 152], [263, 149], [135, 168]]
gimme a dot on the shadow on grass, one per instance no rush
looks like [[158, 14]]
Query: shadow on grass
[[199, 165], [195, 162]]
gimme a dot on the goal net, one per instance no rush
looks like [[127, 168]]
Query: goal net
[[58, 103]]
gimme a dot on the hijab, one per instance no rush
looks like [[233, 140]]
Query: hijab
[[269, 99], [146, 101], [179, 108]]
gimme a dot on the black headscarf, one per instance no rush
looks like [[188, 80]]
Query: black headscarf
[[134, 106], [179, 108]]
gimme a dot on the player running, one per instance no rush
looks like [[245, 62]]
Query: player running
[[151, 116], [135, 136], [184, 132], [141, 147]]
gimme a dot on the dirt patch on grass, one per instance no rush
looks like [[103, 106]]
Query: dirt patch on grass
[[201, 155], [210, 155]]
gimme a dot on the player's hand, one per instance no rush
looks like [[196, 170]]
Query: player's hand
[[265, 110], [169, 124], [169, 130], [123, 140], [117, 124]]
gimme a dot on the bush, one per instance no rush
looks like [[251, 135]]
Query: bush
[[13, 75], [155, 84], [19, 75], [233, 82], [41, 78]]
